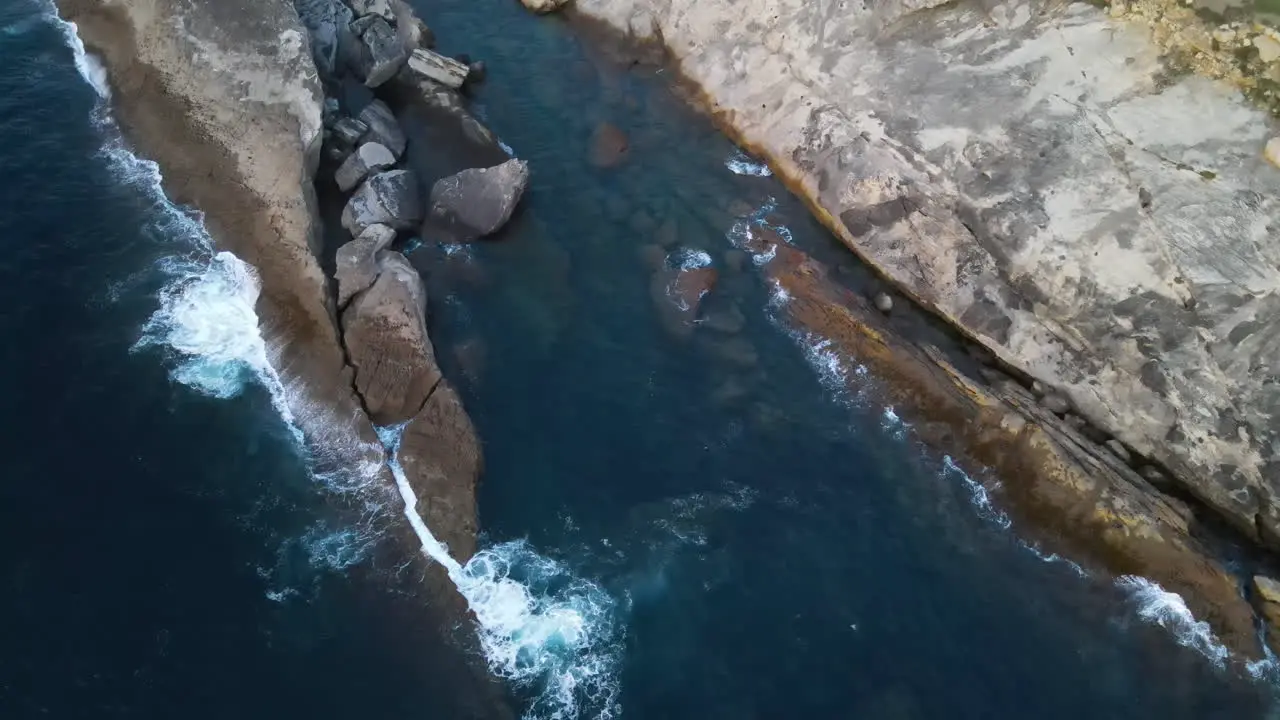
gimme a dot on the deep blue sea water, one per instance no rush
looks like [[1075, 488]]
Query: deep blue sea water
[[789, 551]]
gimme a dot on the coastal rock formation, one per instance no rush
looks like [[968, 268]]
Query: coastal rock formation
[[427, 65], [480, 200], [369, 157], [226, 98], [1031, 172], [382, 53], [441, 456], [385, 331], [357, 261], [387, 198]]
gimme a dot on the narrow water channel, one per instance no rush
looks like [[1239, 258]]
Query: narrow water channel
[[702, 524]]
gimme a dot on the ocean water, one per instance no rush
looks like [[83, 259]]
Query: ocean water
[[701, 527]]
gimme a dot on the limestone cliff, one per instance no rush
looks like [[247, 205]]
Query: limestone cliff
[[1031, 172]]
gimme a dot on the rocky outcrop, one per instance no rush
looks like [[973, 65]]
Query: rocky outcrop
[[479, 201], [383, 127], [357, 261], [389, 198], [1032, 173], [427, 65], [385, 331], [440, 452], [225, 97]]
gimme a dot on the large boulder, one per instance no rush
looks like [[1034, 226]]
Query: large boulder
[[385, 331], [441, 460], [382, 53], [357, 261], [379, 8], [480, 200], [387, 198], [543, 7], [383, 128], [369, 158]]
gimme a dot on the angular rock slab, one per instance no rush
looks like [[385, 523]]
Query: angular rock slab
[[442, 462], [369, 158], [387, 198], [382, 54], [357, 261], [385, 331], [481, 200], [428, 65], [384, 129]]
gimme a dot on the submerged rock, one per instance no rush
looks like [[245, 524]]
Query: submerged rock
[[383, 128], [677, 295], [385, 331], [368, 158], [387, 198], [481, 200], [357, 261], [609, 146]]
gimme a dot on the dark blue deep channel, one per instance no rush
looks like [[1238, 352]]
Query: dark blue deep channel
[[702, 532]]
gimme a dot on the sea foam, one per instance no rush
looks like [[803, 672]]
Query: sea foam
[[540, 627]]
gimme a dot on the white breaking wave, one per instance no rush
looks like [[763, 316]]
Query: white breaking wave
[[690, 259], [1156, 605], [977, 494], [540, 627], [89, 67], [743, 164]]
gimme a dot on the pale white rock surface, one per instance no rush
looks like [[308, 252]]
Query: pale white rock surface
[[544, 6], [428, 65], [369, 157], [1031, 172]]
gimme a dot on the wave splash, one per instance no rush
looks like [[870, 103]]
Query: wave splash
[[541, 627]]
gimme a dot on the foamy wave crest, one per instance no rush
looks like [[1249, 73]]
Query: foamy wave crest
[[690, 259], [207, 318], [1156, 605], [742, 234], [89, 67], [977, 494], [743, 164], [541, 627]]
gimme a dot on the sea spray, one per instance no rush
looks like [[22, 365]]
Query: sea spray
[[1167, 609], [741, 163], [540, 627]]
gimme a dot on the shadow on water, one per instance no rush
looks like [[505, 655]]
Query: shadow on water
[[776, 545]]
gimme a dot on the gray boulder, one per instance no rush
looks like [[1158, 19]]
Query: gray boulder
[[383, 127], [357, 261], [379, 8], [348, 131], [382, 53], [427, 65], [369, 158], [481, 200], [387, 198], [385, 332]]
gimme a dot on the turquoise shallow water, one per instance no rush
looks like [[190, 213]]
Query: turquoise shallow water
[[784, 549]]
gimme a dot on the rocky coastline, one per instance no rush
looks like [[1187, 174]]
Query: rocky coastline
[[1026, 173], [238, 104]]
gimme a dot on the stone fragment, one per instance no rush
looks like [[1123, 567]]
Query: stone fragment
[[368, 158]]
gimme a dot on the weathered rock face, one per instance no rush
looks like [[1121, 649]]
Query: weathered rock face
[[386, 336], [225, 97], [441, 458], [1029, 171], [383, 127], [481, 200], [382, 53], [357, 261], [369, 157], [387, 198], [427, 65], [326, 20]]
